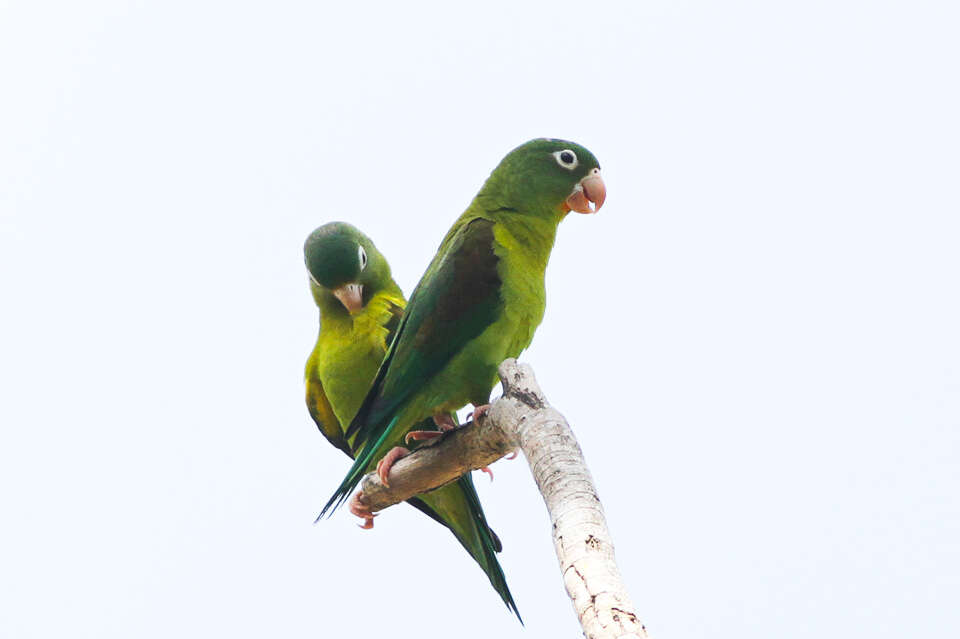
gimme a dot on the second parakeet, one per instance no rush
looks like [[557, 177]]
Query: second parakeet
[[360, 309]]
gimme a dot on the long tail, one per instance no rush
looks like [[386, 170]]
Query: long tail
[[457, 507]]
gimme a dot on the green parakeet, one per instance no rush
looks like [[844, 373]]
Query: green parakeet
[[479, 302], [360, 309]]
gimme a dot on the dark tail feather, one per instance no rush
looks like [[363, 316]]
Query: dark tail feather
[[484, 552], [489, 543], [491, 546]]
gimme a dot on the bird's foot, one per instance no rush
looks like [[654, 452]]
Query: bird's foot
[[361, 510], [384, 465], [487, 470], [421, 435], [478, 412], [444, 421]]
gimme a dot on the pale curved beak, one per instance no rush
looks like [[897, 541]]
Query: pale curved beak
[[351, 296], [590, 190]]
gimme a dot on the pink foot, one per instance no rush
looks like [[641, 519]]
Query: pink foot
[[361, 510], [444, 421], [384, 465], [421, 435], [487, 470], [478, 412]]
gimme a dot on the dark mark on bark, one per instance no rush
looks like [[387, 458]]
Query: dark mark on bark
[[528, 398], [630, 616]]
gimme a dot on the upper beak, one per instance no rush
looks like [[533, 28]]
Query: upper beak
[[590, 190], [351, 296]]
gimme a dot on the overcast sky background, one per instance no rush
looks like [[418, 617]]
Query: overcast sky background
[[756, 340]]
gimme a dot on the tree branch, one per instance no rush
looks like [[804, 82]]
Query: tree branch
[[523, 418]]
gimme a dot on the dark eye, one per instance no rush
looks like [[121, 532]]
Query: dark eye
[[363, 257], [566, 158]]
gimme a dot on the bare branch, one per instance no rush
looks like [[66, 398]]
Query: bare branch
[[467, 448], [523, 418]]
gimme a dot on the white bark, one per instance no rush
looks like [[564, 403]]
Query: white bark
[[523, 418]]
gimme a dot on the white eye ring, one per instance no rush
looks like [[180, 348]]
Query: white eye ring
[[566, 158], [363, 257]]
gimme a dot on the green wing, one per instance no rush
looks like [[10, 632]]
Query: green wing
[[320, 409], [457, 299], [318, 403]]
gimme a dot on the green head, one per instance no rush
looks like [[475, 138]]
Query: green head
[[547, 175], [344, 263]]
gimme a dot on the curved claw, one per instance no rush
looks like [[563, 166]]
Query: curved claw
[[487, 470], [512, 455], [421, 435]]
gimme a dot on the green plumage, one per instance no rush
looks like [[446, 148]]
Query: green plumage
[[479, 302], [341, 368]]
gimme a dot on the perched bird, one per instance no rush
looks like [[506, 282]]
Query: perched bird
[[479, 302], [360, 310]]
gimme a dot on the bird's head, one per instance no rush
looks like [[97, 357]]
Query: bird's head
[[344, 263], [548, 174]]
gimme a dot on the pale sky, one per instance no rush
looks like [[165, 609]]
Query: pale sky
[[756, 340]]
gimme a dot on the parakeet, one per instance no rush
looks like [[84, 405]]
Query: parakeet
[[478, 303], [360, 310]]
